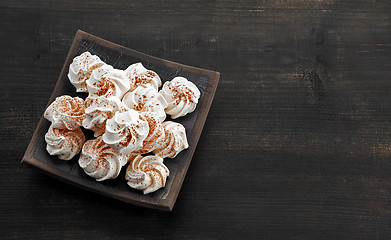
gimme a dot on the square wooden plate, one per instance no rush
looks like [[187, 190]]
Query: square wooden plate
[[121, 57]]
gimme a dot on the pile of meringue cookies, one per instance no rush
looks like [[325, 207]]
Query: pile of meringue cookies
[[127, 112]]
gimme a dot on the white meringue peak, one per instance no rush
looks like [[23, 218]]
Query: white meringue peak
[[125, 131], [108, 82], [181, 95], [146, 99], [81, 68], [63, 142], [140, 76], [100, 161], [66, 112], [98, 110], [174, 142], [147, 173]]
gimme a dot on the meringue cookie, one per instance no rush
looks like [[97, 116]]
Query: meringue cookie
[[107, 81], [98, 110], [100, 161], [140, 76], [81, 69], [181, 95], [126, 132], [66, 112], [146, 99], [129, 157], [155, 134], [147, 173], [64, 143], [174, 142]]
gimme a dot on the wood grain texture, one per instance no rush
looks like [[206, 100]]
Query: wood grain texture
[[297, 143]]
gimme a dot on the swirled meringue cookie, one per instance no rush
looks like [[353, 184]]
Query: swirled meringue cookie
[[126, 132], [64, 143], [81, 69], [100, 161], [175, 140], [155, 134], [146, 99], [108, 82], [181, 95], [98, 110], [66, 112], [147, 173], [140, 76]]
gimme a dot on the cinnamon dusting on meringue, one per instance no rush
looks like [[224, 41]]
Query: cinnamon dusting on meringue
[[63, 142], [66, 112], [98, 110], [155, 135], [181, 95], [81, 68], [174, 142], [100, 161], [125, 131], [147, 173], [140, 76]]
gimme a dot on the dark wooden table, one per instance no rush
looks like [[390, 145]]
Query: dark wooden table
[[297, 144]]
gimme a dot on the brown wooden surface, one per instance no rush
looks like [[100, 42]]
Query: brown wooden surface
[[297, 143]]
